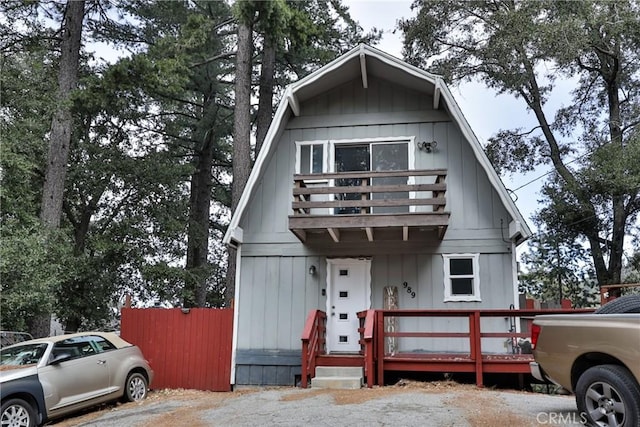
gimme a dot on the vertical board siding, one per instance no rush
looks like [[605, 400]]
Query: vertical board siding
[[277, 293], [190, 350], [276, 290], [472, 201]]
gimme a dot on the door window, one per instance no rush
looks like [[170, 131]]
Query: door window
[[374, 156], [350, 158], [390, 157]]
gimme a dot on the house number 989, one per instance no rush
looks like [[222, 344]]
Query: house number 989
[[409, 290]]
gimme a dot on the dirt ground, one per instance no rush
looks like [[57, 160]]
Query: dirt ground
[[475, 407]]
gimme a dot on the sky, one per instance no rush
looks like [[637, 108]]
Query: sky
[[504, 112]]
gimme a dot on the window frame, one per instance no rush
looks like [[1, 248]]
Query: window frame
[[328, 149], [328, 157], [449, 296], [325, 160], [409, 140]]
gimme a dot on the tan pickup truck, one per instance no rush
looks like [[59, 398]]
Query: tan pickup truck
[[597, 357]]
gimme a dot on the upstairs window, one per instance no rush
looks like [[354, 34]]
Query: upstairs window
[[379, 155], [311, 157], [461, 277], [384, 154]]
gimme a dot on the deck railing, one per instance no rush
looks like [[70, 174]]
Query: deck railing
[[313, 343], [369, 192], [474, 361], [376, 361]]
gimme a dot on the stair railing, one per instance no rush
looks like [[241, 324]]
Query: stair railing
[[367, 344], [313, 344]]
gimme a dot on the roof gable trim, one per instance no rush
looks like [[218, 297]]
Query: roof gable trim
[[290, 100], [363, 67]]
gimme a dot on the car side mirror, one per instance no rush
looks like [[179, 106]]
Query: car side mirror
[[61, 357]]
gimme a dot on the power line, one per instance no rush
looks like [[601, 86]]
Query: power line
[[552, 170]]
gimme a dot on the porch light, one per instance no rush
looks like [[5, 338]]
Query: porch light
[[428, 146], [312, 270]]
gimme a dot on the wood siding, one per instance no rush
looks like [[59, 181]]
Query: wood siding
[[279, 293], [476, 209], [185, 350], [276, 291]]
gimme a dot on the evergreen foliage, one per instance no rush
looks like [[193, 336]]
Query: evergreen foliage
[[523, 49], [148, 182]]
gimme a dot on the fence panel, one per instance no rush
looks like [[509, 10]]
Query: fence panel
[[185, 350]]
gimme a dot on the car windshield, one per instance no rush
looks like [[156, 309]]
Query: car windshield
[[25, 354]]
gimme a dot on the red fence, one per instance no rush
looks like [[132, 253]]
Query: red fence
[[190, 349]]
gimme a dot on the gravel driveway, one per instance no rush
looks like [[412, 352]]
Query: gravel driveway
[[409, 404]]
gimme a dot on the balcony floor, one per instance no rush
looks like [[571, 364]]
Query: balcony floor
[[399, 226]]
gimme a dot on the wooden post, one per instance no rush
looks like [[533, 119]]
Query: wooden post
[[380, 346], [390, 323], [440, 179], [364, 196], [477, 346]]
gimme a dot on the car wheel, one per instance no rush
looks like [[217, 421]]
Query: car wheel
[[624, 304], [608, 396], [136, 387], [17, 413]]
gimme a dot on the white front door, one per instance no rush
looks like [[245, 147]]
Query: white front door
[[349, 291]]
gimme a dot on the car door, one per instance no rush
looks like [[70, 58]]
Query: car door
[[80, 379], [113, 360]]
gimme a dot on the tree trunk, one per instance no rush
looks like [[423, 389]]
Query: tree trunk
[[198, 234], [78, 285], [241, 135], [60, 137], [265, 102], [62, 121]]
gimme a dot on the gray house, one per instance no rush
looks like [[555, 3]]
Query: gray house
[[371, 189]]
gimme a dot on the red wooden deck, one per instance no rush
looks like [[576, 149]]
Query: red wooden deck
[[376, 363]]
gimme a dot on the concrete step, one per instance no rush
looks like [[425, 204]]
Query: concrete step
[[338, 377], [344, 383], [339, 371]]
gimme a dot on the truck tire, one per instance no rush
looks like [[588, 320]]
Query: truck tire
[[608, 395], [624, 304]]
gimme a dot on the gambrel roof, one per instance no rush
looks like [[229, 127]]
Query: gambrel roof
[[363, 62]]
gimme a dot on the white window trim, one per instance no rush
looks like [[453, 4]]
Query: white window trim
[[411, 160], [328, 156], [325, 157], [410, 140], [448, 296]]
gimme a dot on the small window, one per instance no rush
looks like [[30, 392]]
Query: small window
[[311, 158], [461, 277]]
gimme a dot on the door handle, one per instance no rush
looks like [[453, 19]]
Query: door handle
[[101, 362]]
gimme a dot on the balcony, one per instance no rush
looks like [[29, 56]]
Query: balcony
[[396, 205]]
